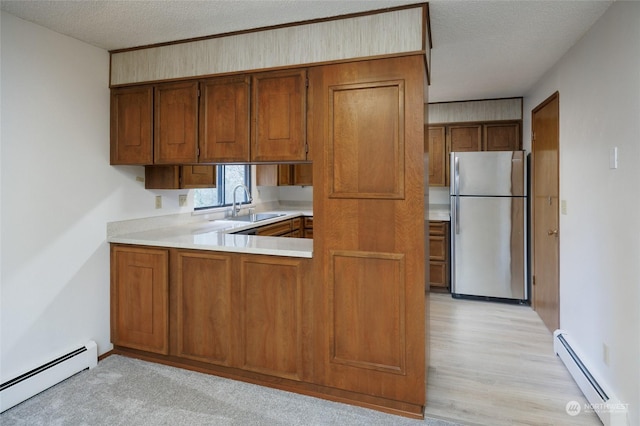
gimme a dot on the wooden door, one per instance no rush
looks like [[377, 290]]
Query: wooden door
[[368, 138], [224, 120], [176, 123], [436, 147], [545, 194], [501, 136], [139, 298], [132, 125], [278, 116], [465, 137], [273, 322], [203, 322]]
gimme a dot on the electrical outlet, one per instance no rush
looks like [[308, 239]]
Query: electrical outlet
[[182, 200], [140, 178], [158, 201], [563, 206], [605, 353]]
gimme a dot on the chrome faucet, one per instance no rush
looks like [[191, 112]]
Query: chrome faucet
[[234, 209]]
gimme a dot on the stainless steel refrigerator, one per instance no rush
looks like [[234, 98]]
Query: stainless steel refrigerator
[[489, 225]]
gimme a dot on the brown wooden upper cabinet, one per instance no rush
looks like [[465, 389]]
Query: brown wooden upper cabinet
[[465, 137], [284, 174], [501, 136], [487, 136], [175, 137], [437, 147], [218, 120], [458, 137], [224, 119], [132, 125], [180, 177], [278, 122]]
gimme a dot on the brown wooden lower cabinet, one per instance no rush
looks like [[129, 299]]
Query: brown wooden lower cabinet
[[247, 312], [140, 298], [439, 255], [272, 315], [308, 227], [202, 314], [241, 316]]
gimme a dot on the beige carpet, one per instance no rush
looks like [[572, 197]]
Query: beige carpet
[[125, 391]]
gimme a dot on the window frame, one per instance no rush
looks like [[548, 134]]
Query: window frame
[[221, 188]]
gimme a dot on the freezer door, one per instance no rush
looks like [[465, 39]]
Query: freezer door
[[488, 247], [499, 173]]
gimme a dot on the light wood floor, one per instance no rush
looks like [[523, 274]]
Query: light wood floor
[[493, 364]]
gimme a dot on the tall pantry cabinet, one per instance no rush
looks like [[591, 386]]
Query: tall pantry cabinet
[[367, 136]]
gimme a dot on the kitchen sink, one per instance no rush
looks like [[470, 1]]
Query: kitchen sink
[[256, 217]]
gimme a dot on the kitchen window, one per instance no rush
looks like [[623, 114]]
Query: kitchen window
[[221, 196]]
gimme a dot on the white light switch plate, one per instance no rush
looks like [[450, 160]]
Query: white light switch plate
[[613, 158]]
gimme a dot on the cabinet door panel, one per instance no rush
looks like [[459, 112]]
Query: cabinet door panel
[[437, 247], [198, 176], [139, 294], [465, 138], [267, 175], [132, 125], [204, 307], [438, 276], [285, 172], [502, 137], [279, 116], [303, 174], [437, 156], [224, 120], [176, 123], [272, 317]]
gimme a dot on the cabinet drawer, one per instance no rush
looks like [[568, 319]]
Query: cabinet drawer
[[437, 228], [438, 276], [277, 229], [437, 247], [308, 222], [297, 233]]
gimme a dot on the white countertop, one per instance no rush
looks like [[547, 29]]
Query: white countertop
[[439, 212], [216, 235]]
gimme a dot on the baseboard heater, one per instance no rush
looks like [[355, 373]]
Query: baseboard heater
[[610, 410], [33, 382]]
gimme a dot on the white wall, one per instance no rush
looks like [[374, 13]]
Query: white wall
[[599, 85], [58, 192]]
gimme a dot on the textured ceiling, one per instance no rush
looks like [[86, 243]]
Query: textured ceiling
[[481, 49]]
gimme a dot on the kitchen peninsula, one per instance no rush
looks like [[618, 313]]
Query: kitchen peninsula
[[341, 316]]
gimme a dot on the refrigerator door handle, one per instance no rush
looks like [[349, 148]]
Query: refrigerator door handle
[[456, 189]]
